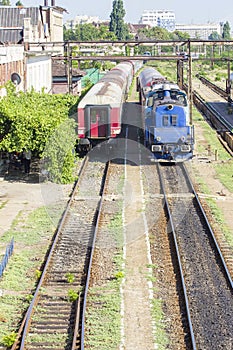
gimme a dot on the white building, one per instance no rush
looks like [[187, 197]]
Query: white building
[[38, 72], [71, 24], [200, 31], [160, 18]]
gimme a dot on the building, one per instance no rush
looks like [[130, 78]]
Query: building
[[71, 24], [60, 73], [200, 31], [22, 25], [159, 18], [23, 57], [27, 70], [11, 61]]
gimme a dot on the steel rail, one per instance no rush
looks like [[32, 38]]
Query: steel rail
[[213, 87], [206, 107], [209, 227], [91, 257], [27, 318], [178, 258]]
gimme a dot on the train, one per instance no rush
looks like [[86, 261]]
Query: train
[[100, 110], [165, 112]]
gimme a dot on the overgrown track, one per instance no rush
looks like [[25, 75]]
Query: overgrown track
[[53, 319], [207, 282], [214, 87]]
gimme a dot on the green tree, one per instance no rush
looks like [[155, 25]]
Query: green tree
[[180, 35], [214, 36], [5, 3], [117, 24], [88, 32], [19, 3], [155, 33], [226, 34], [33, 121]]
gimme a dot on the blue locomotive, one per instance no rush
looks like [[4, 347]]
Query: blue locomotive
[[168, 133]]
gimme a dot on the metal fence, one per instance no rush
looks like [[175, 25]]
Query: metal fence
[[8, 253]]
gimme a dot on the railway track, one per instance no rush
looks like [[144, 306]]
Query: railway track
[[54, 318], [221, 92], [207, 284], [215, 109]]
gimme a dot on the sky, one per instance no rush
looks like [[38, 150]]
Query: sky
[[186, 12]]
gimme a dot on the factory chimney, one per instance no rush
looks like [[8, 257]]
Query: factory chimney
[[52, 3], [46, 3]]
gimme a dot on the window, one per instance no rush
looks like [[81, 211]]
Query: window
[[169, 120], [166, 120], [93, 116], [173, 120], [98, 115]]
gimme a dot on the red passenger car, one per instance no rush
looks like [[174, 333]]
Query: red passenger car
[[100, 110]]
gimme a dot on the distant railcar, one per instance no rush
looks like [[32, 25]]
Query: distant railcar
[[145, 82], [100, 110], [168, 133]]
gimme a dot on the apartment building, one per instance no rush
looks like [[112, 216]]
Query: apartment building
[[159, 18], [200, 31]]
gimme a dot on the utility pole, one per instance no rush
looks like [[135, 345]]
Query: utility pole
[[190, 90]]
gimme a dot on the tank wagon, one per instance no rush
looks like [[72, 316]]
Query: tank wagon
[[145, 81], [165, 111], [100, 110]]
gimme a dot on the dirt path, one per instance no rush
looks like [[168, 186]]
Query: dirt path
[[137, 290]]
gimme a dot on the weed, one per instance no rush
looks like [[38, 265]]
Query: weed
[[72, 295], [8, 340], [70, 277]]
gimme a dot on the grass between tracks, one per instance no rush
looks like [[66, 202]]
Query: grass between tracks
[[103, 318], [223, 167], [32, 236]]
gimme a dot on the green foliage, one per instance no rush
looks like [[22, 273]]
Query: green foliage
[[27, 120], [38, 274], [179, 35], [5, 3], [214, 36], [119, 275], [29, 298], [226, 34], [33, 121], [59, 155], [72, 295], [117, 24], [8, 340], [70, 277], [88, 32], [155, 33]]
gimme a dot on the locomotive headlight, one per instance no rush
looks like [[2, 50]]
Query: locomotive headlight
[[170, 107], [158, 138]]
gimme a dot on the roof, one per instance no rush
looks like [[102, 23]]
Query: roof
[[59, 69], [11, 22], [135, 27], [11, 36], [12, 17]]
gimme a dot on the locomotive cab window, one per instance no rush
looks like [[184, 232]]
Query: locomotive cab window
[[174, 120], [170, 120], [166, 120]]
